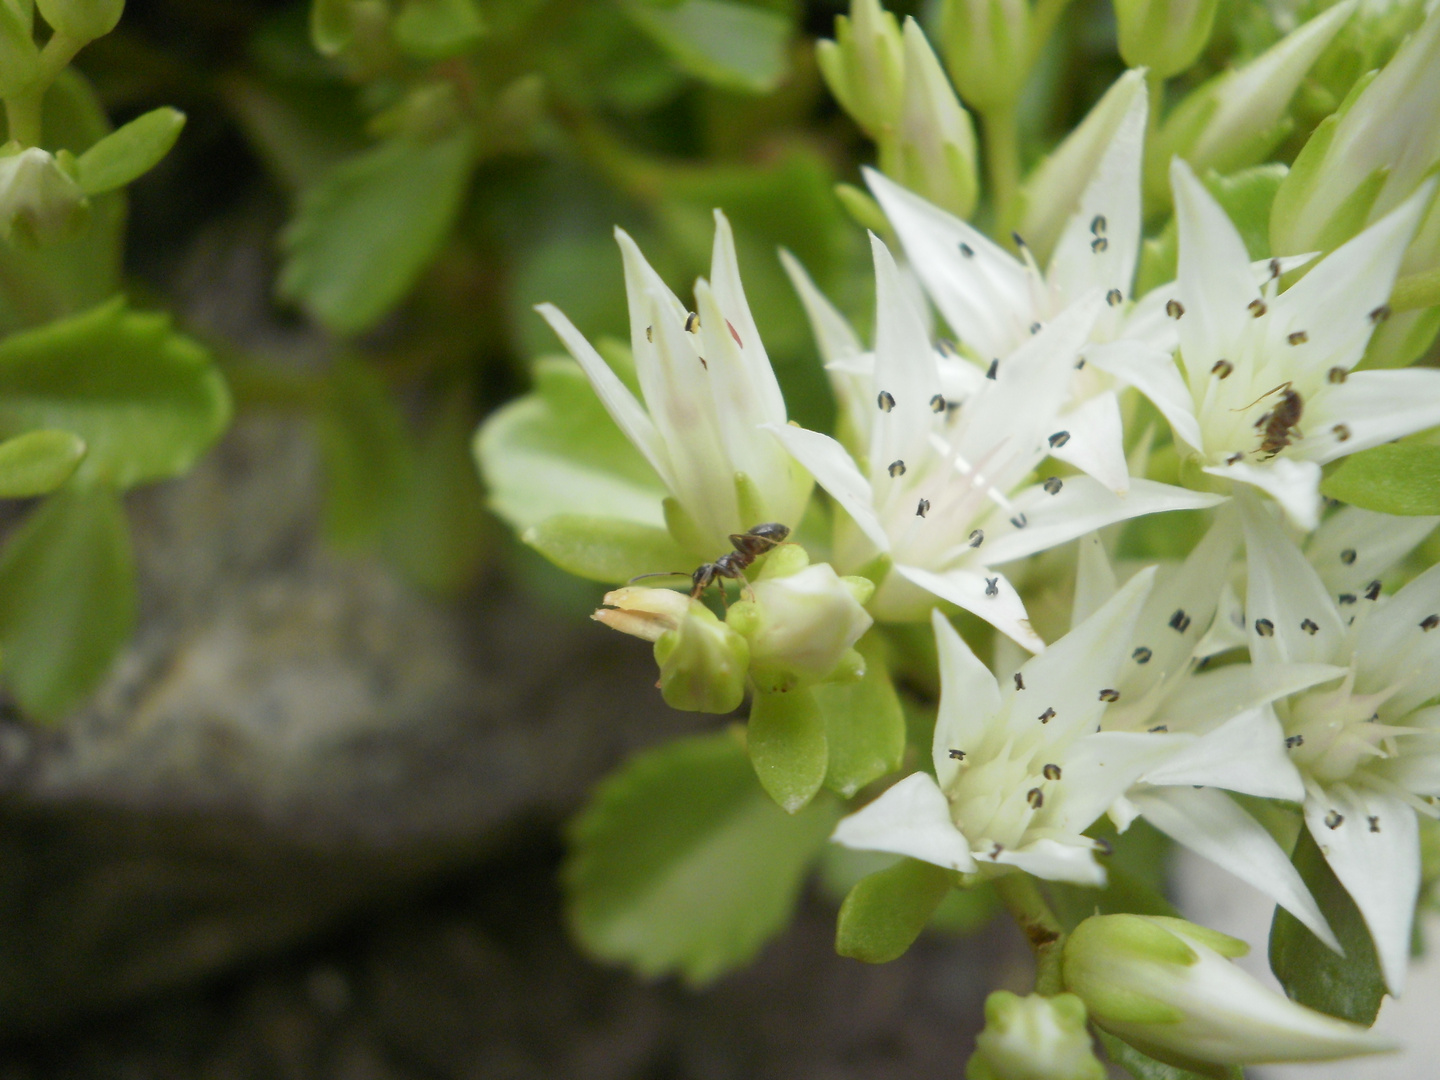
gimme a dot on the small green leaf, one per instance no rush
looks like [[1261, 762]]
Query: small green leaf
[[38, 462], [365, 232], [1350, 986], [1142, 1066], [681, 864], [787, 746], [885, 911], [330, 26], [556, 451], [611, 550], [129, 153], [864, 724], [732, 45], [67, 599], [1401, 478], [435, 29], [145, 399]]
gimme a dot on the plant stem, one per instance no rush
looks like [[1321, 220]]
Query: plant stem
[[22, 111], [22, 118], [1021, 897], [1002, 164]]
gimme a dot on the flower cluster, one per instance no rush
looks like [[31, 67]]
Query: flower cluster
[[1083, 377]]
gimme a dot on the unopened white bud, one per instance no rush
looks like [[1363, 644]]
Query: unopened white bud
[[39, 202], [1034, 1038], [933, 152]]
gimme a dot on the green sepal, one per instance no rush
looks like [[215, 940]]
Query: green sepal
[[364, 233], [1400, 478], [130, 152], [884, 913], [435, 29], [702, 664], [1350, 986], [1142, 1066], [864, 723], [732, 45], [862, 206], [681, 864], [611, 550], [38, 462], [788, 748], [146, 400], [67, 599], [682, 526]]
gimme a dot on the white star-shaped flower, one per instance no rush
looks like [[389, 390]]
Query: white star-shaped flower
[[1020, 769], [1261, 390], [1367, 746], [708, 386], [947, 489]]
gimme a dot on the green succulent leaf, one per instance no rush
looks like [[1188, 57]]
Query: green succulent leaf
[[365, 232], [1350, 986], [556, 451], [732, 45], [67, 599], [1401, 478], [611, 550], [435, 29], [885, 911], [788, 746], [864, 724], [146, 400], [330, 27], [681, 864], [38, 462], [1142, 1066], [130, 152]]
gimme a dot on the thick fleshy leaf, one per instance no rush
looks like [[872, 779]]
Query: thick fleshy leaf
[[969, 698], [1372, 842], [911, 818], [1373, 407], [1349, 986], [436, 29], [556, 451], [365, 232], [67, 599], [1083, 505], [732, 45], [1210, 824], [788, 747], [986, 594], [130, 152], [146, 400], [1292, 618], [864, 725], [38, 462], [612, 550], [680, 863], [885, 911]]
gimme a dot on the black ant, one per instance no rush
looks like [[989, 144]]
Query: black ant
[[749, 546], [1280, 423]]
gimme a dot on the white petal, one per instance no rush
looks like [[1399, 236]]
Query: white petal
[[905, 370], [1153, 372], [735, 309], [1094, 579], [1081, 262], [1374, 850], [969, 697], [1285, 598], [1333, 303], [833, 333], [1097, 442], [627, 413], [1214, 696], [835, 471], [1055, 861], [1295, 485], [1213, 277], [1353, 547], [1069, 676], [1084, 505], [1097, 770], [971, 590], [1211, 825], [911, 818], [986, 297], [640, 279], [1394, 647], [1246, 753], [1375, 407]]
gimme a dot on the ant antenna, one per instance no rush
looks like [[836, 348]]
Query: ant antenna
[[1283, 386]]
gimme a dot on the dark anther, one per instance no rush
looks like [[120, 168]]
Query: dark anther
[[922, 508], [1264, 627], [1274, 268], [1019, 240], [1053, 485], [1299, 337], [731, 327], [885, 400], [1348, 556], [1104, 847], [1099, 244], [977, 537], [1309, 627], [1222, 368], [692, 323], [1374, 823], [1257, 308], [1097, 224], [1337, 374], [1019, 681], [1114, 297], [1141, 655], [958, 755], [1109, 695], [1372, 591], [1342, 432], [650, 334], [966, 250], [1036, 327], [994, 369], [1035, 797], [1347, 598], [1430, 622], [1047, 716], [1334, 819], [996, 850], [937, 403], [1174, 308], [1180, 621], [1380, 314], [992, 586], [1019, 521], [1158, 729], [1293, 741], [1052, 772], [897, 468], [1059, 439]]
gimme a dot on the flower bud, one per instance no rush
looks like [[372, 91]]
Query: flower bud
[[933, 153], [864, 67], [987, 49], [83, 20], [19, 56], [1163, 35], [39, 202], [1168, 987], [1034, 1038], [802, 626]]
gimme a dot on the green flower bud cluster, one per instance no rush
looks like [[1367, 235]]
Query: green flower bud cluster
[[1034, 1038]]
